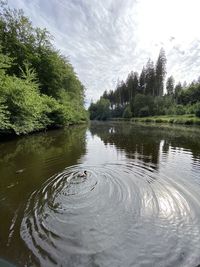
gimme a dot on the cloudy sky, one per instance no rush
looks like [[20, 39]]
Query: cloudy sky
[[106, 39]]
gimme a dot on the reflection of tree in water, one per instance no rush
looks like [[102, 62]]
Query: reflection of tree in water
[[44, 144], [137, 143], [146, 142], [41, 156]]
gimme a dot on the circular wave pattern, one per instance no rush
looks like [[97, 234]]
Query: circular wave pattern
[[119, 214]]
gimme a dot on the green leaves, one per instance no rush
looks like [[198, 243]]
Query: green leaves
[[4, 116], [38, 86], [100, 110], [29, 75], [23, 109]]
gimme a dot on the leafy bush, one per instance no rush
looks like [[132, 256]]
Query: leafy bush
[[190, 109], [117, 112], [179, 110], [142, 104], [100, 110], [24, 105], [163, 105], [4, 117], [127, 112], [197, 109], [23, 109], [49, 93], [144, 112], [190, 95]]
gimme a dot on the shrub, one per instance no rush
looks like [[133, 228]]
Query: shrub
[[4, 116], [197, 109], [100, 110], [144, 112], [179, 110], [142, 104], [162, 104], [127, 112]]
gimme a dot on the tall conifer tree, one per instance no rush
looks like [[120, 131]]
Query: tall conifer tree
[[160, 72]]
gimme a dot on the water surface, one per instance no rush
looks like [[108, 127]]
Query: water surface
[[139, 204]]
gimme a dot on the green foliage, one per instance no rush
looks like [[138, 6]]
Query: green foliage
[[190, 95], [175, 119], [38, 86], [160, 72], [127, 112], [144, 112], [142, 104], [150, 79], [170, 85], [149, 84], [4, 116], [197, 109], [25, 110], [24, 105], [24, 43], [100, 110], [162, 104], [117, 112], [179, 110]]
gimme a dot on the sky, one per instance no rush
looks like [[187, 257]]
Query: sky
[[106, 39]]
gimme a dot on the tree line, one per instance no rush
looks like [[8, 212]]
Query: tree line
[[39, 88], [143, 95]]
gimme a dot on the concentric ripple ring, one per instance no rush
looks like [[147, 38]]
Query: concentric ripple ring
[[117, 210]]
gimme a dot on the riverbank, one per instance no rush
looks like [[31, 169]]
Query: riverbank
[[187, 119], [9, 135]]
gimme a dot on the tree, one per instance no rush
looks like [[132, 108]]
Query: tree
[[38, 86], [142, 105], [160, 72], [170, 85], [197, 110], [177, 91], [127, 112], [100, 110], [129, 84], [105, 94], [135, 83], [142, 81], [150, 78], [24, 43], [190, 95]]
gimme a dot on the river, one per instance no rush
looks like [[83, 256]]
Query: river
[[138, 205]]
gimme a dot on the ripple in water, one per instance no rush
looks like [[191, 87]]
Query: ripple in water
[[119, 215]]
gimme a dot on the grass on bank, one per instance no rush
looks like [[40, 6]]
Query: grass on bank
[[187, 119]]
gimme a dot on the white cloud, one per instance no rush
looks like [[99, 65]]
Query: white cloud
[[106, 39]]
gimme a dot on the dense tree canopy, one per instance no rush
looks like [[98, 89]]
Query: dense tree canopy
[[38, 86], [100, 110], [143, 95], [170, 85]]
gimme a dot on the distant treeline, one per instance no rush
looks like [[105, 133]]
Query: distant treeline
[[38, 86], [143, 95]]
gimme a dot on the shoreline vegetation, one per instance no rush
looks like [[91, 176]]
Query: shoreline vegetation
[[188, 119], [147, 98], [39, 89]]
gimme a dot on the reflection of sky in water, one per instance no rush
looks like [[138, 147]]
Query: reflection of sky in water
[[99, 153], [140, 202], [175, 162], [166, 202], [174, 165], [138, 205]]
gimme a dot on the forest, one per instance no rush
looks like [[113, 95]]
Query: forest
[[147, 94], [39, 88]]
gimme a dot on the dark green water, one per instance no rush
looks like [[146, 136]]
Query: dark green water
[[139, 204]]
